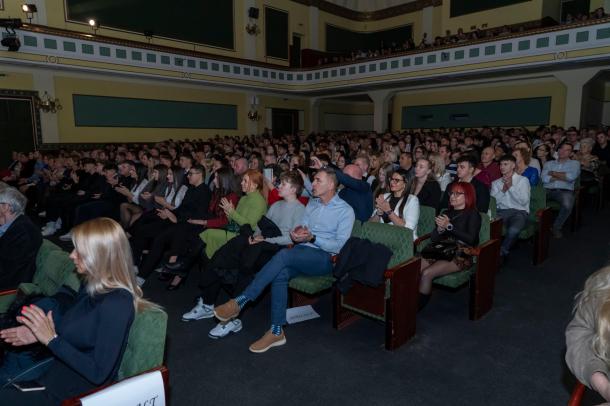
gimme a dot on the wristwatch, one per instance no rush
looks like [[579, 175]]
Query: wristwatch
[[313, 239], [449, 227], [387, 213]]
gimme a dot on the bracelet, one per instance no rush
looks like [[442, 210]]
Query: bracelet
[[52, 338]]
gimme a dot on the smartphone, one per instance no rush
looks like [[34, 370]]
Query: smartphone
[[268, 174], [28, 386]]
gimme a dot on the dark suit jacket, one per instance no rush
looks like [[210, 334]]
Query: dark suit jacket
[[18, 249]]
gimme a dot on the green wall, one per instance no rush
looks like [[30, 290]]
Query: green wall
[[501, 113], [207, 22], [103, 111]]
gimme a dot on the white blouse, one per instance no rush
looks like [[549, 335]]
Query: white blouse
[[410, 213]]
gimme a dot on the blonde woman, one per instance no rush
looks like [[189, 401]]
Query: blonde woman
[[439, 169], [588, 334], [88, 339]]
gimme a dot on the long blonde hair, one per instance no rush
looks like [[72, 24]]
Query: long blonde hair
[[105, 253], [597, 288]]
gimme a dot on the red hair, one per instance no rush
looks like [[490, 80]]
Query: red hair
[[470, 196]]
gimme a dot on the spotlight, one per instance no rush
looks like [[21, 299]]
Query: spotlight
[[11, 42], [11, 24], [93, 24], [29, 10]]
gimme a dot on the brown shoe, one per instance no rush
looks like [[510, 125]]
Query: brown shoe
[[267, 341], [227, 311]]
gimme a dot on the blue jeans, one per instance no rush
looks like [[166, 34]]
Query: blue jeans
[[565, 198], [514, 220], [284, 266]]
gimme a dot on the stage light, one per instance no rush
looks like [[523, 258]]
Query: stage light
[[11, 42], [94, 25], [11, 24]]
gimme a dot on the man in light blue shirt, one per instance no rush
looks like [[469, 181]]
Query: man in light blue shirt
[[326, 226], [559, 178]]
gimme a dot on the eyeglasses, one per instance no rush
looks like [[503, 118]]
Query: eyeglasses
[[456, 194], [397, 180], [193, 173]]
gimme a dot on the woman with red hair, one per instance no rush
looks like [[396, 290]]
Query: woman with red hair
[[460, 224]]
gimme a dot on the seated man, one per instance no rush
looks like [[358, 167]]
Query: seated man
[[465, 173], [20, 240], [326, 226], [558, 178], [512, 194]]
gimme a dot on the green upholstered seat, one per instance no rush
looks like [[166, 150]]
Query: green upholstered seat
[[397, 239], [425, 224], [53, 269], [457, 279], [146, 343], [493, 207], [537, 202]]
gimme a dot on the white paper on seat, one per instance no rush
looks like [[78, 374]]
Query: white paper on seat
[[143, 390], [300, 313]]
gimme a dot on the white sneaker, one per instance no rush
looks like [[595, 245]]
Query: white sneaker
[[200, 311], [42, 214], [222, 330], [140, 281], [66, 237]]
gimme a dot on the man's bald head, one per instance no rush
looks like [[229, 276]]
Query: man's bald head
[[353, 171], [240, 166]]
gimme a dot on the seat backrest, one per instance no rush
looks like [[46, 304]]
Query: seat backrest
[[146, 343], [398, 239], [493, 208], [484, 233], [426, 222], [537, 199], [54, 268], [356, 228]]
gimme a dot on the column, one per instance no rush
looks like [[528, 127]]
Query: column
[[314, 115], [574, 81], [381, 100], [314, 18]]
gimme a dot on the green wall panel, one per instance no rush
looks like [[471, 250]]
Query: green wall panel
[[462, 7], [276, 33], [523, 112], [207, 22], [102, 111], [342, 40]]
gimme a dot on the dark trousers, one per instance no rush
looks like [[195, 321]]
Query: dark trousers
[[95, 209], [173, 239]]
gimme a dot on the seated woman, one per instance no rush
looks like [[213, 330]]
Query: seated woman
[[398, 207], [588, 334], [442, 175], [251, 207], [381, 185], [425, 185], [132, 208], [589, 163], [286, 214], [522, 155], [186, 234], [88, 341], [460, 224]]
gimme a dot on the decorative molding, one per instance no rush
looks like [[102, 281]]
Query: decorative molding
[[355, 15]]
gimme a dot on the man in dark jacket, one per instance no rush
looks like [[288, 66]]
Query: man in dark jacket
[[465, 173], [20, 240]]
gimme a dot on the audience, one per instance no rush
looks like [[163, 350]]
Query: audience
[[559, 179], [87, 341], [512, 194], [20, 240]]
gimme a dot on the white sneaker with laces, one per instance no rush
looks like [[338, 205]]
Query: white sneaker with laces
[[49, 229], [66, 237], [140, 281], [200, 311], [224, 329]]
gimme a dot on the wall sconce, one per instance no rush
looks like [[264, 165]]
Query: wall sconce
[[253, 113], [29, 10], [94, 25], [47, 104], [252, 29]]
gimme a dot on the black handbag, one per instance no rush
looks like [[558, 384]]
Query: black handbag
[[441, 250]]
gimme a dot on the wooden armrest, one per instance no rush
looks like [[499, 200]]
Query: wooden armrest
[[390, 272], [476, 251], [422, 239], [8, 292]]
